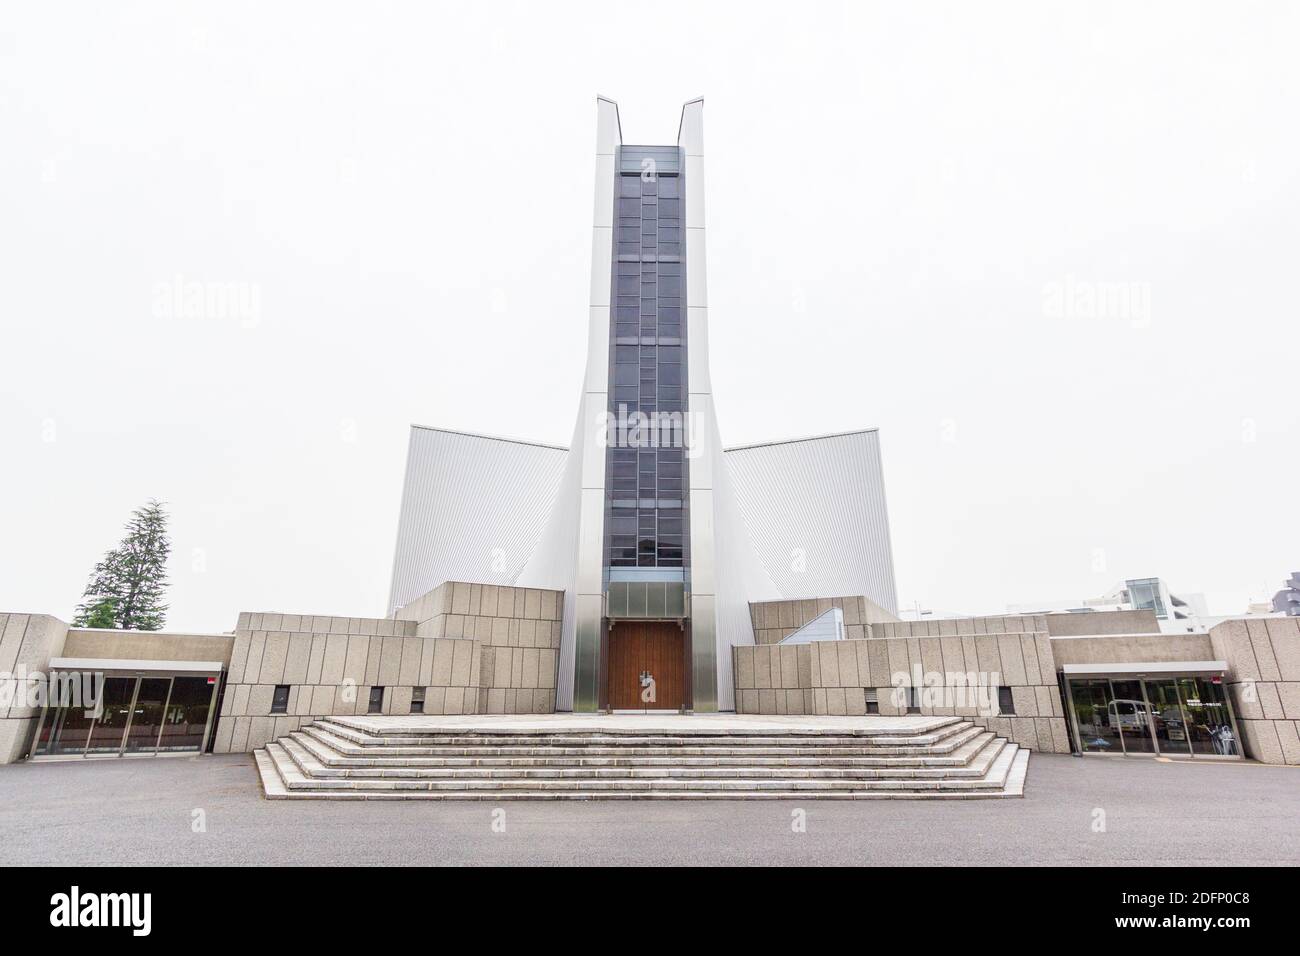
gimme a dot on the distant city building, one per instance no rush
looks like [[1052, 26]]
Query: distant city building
[[1287, 601], [1176, 614]]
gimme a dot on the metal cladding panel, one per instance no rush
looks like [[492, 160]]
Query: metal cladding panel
[[570, 554], [473, 509], [740, 578], [726, 573], [815, 509]]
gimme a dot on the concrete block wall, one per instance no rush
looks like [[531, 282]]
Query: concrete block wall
[[774, 621], [330, 663], [1263, 657], [516, 637], [27, 642], [105, 643], [771, 679], [474, 648], [832, 677]]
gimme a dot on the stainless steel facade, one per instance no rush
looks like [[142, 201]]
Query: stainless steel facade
[[815, 511], [473, 509], [746, 511]]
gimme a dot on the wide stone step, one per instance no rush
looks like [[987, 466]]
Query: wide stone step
[[279, 774], [300, 770], [579, 728], [548, 758], [336, 751], [354, 743], [968, 760]]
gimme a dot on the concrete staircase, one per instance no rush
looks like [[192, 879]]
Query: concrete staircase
[[671, 758]]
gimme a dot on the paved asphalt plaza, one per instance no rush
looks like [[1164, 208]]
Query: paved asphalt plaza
[[146, 811]]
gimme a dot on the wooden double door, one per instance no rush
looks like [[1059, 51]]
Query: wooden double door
[[647, 665]]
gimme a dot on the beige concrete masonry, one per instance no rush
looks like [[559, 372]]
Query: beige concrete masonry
[[1263, 657], [832, 677], [774, 621], [27, 642], [485, 649], [473, 648]]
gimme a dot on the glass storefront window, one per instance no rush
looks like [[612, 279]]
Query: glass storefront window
[[106, 734], [1175, 716], [1133, 716], [1098, 731], [146, 715], [141, 715], [1209, 725], [1167, 717]]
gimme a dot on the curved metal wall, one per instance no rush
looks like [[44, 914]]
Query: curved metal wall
[[473, 509], [815, 509]]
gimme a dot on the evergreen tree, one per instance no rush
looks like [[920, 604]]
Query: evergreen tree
[[102, 614], [126, 588]]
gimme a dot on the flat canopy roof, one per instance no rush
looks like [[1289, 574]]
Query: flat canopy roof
[[97, 664], [1145, 668]]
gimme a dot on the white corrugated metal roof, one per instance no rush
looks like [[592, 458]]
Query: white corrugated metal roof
[[473, 508], [815, 508]]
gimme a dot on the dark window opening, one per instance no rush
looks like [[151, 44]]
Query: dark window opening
[[872, 698], [376, 701], [280, 699], [417, 700], [1006, 702]]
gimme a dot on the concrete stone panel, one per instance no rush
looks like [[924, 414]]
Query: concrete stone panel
[[1231, 642], [297, 657], [1288, 740], [334, 661], [1029, 654], [1259, 642], [1026, 702], [1288, 693], [460, 664], [847, 661], [1284, 640], [989, 658]]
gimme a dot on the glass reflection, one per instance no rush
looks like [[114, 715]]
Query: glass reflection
[[1098, 731]]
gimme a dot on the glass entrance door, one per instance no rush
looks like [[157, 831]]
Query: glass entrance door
[[186, 719], [1097, 722], [106, 735], [1209, 725], [1133, 716], [1171, 716], [65, 731], [138, 715], [146, 715], [1167, 717]]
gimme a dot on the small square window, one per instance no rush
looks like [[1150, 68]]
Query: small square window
[[376, 701], [1006, 702], [280, 699], [417, 700], [872, 697]]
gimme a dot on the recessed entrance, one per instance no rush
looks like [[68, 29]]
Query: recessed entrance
[[1180, 715], [143, 713], [647, 665]]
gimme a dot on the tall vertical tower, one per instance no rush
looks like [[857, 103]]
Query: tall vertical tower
[[658, 537], [635, 511]]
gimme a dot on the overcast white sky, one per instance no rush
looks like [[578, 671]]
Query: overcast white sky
[[895, 194]]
